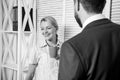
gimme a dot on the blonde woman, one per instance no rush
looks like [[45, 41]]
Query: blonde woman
[[45, 61]]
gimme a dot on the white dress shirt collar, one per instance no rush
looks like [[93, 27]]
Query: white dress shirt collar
[[93, 18]]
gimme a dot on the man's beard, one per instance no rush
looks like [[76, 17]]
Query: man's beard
[[78, 20]]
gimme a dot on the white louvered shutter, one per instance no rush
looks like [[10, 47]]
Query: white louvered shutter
[[50, 8], [115, 11], [71, 26]]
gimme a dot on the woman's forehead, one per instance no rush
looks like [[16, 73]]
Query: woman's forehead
[[46, 22]]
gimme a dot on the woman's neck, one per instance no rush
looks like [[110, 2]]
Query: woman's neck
[[52, 43]]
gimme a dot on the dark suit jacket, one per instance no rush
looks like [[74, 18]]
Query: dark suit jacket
[[94, 54]]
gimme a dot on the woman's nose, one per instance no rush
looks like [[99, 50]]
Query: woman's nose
[[45, 31]]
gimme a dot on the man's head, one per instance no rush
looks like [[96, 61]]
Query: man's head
[[84, 8], [93, 6]]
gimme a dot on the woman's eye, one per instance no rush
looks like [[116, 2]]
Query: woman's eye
[[49, 28]]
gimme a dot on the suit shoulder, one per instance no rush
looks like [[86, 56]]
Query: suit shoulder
[[79, 39]]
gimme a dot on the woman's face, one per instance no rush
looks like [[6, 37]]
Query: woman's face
[[48, 30]]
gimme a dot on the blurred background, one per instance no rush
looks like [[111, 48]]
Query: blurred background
[[20, 29]]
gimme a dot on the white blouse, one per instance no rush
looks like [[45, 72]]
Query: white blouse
[[47, 67]]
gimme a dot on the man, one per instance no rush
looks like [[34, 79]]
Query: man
[[94, 54]]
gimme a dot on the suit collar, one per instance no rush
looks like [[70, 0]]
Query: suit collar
[[96, 23]]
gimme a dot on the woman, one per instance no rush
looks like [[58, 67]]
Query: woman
[[45, 61]]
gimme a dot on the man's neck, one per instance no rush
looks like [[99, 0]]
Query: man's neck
[[87, 16], [92, 18]]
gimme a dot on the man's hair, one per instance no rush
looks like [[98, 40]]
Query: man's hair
[[93, 6]]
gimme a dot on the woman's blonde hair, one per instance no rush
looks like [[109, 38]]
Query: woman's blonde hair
[[51, 20]]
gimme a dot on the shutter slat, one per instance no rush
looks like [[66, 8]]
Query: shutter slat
[[71, 27], [115, 11]]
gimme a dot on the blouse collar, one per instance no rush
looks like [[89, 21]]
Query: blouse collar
[[45, 44]]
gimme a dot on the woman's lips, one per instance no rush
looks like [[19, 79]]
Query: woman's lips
[[46, 35]]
